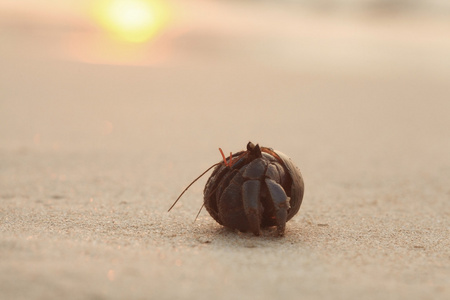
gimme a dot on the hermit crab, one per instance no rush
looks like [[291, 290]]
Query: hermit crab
[[253, 189]]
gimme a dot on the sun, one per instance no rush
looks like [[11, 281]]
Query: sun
[[134, 21]]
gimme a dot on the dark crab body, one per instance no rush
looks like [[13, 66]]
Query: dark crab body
[[256, 188]]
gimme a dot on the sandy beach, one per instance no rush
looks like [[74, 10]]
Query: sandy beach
[[92, 154]]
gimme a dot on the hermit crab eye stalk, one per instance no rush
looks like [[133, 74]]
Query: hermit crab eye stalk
[[256, 188], [254, 150]]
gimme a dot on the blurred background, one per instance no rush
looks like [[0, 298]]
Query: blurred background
[[109, 108], [338, 78]]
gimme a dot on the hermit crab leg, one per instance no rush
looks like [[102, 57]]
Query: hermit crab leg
[[251, 193], [281, 203]]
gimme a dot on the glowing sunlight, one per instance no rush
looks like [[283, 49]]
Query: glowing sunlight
[[131, 20]]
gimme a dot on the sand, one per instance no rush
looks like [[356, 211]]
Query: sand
[[93, 155]]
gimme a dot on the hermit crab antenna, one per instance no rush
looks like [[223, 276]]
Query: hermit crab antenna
[[223, 156], [196, 217], [230, 161], [192, 184], [237, 158]]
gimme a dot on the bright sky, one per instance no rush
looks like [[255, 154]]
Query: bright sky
[[126, 20], [131, 20]]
